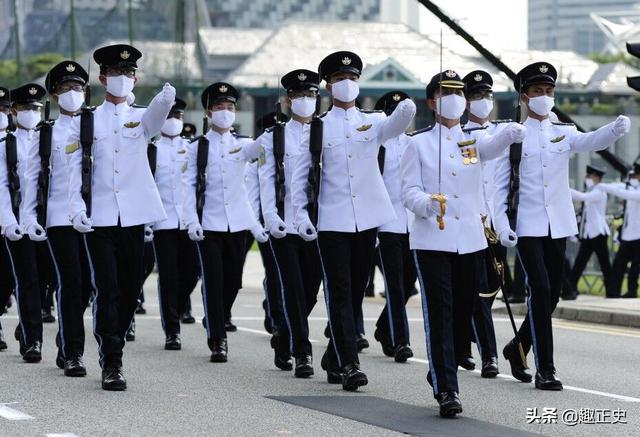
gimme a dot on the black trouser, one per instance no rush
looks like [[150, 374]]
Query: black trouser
[[587, 247], [449, 284], [220, 259], [178, 268], [482, 321], [271, 286], [116, 257], [231, 293], [542, 261], [628, 252], [6, 277], [345, 258], [46, 274], [399, 272], [300, 274], [22, 254], [74, 289]]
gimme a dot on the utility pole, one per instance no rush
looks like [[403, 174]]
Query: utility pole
[[72, 31], [16, 27], [130, 17]]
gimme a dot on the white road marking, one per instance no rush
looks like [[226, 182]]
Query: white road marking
[[11, 414], [64, 434]]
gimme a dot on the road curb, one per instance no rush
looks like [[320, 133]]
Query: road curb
[[590, 315]]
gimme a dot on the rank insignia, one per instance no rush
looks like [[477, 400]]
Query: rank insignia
[[558, 139], [346, 61], [466, 142], [543, 68], [125, 55], [302, 77], [236, 150], [223, 88], [132, 124], [33, 91], [70, 68], [450, 73], [364, 127], [477, 77], [396, 97], [262, 157], [71, 148], [1, 93]]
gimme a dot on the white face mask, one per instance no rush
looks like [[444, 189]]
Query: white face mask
[[71, 100], [303, 106], [634, 182], [4, 121], [172, 127], [346, 90], [28, 119], [481, 108], [223, 119], [119, 86], [588, 182], [451, 106], [541, 105]]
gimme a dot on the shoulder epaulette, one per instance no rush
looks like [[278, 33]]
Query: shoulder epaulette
[[506, 120], [370, 111], [135, 105], [323, 114], [557, 123], [471, 129], [269, 129], [193, 140], [2, 139], [240, 136], [419, 131]]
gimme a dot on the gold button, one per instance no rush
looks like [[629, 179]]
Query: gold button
[[453, 173]]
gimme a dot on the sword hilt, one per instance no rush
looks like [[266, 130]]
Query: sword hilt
[[442, 200]]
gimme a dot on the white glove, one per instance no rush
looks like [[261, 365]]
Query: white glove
[[278, 229], [148, 234], [13, 232], [82, 223], [407, 107], [260, 234], [433, 208], [36, 232], [307, 231], [515, 132], [195, 231], [508, 238], [168, 93], [573, 239], [621, 126]]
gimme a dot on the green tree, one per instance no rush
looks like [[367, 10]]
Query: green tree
[[35, 67]]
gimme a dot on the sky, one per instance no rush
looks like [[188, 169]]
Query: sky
[[497, 24]]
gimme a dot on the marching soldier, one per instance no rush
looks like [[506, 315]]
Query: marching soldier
[[6, 287], [219, 213], [629, 250], [352, 203], [175, 253], [26, 107], [65, 83], [441, 172], [594, 230], [396, 260], [546, 216], [112, 206], [189, 133], [297, 260]]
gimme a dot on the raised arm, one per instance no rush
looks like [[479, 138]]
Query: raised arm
[[156, 114], [398, 122], [492, 146], [601, 138], [580, 196]]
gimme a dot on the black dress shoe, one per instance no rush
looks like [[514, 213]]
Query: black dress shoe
[[173, 343], [467, 363], [546, 380], [490, 368], [187, 318], [3, 344], [334, 375], [33, 354], [353, 377], [569, 296], [362, 342], [629, 295], [450, 404], [283, 362], [304, 366], [141, 309], [60, 359], [131, 332], [75, 367], [219, 351], [518, 370], [385, 342], [229, 326], [47, 316], [113, 379], [402, 353]]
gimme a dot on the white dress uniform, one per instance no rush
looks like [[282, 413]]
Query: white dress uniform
[[631, 228], [122, 188], [25, 141], [171, 161], [226, 204], [252, 184], [394, 149], [593, 221], [545, 199]]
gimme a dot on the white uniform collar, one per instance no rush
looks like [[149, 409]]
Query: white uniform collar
[[532, 122], [116, 109], [445, 130], [339, 112]]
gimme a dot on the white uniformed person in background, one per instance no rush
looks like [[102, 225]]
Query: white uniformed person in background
[[353, 202], [227, 213], [443, 163], [124, 198], [65, 82], [545, 213], [5, 266], [594, 230]]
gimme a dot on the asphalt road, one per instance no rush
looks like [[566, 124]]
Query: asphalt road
[[182, 393]]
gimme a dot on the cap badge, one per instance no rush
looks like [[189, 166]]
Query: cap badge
[[396, 97], [125, 55], [543, 68], [302, 77], [1, 93], [346, 60], [71, 68], [223, 88], [187, 128], [33, 91], [450, 73], [477, 77]]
